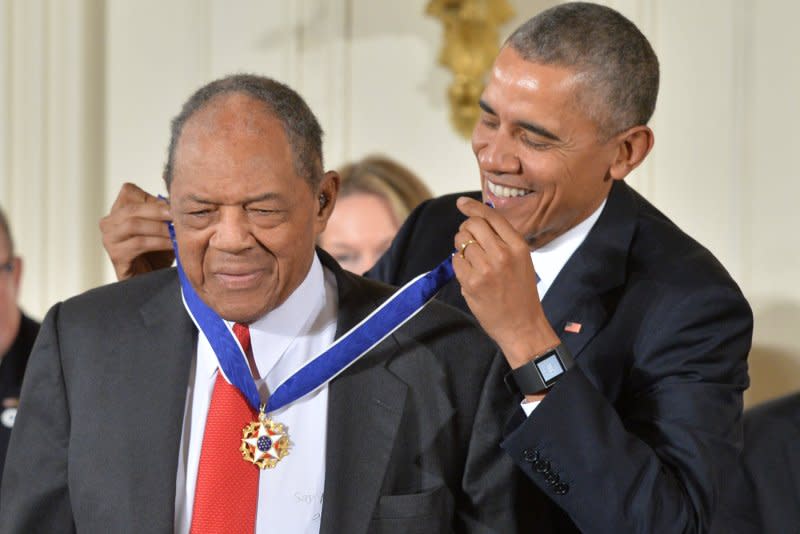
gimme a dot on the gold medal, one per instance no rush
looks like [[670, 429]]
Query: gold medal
[[264, 442]]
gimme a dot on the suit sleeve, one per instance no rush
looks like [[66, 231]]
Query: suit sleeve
[[654, 459], [496, 496], [34, 495]]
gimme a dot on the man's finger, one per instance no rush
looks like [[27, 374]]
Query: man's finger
[[484, 234], [142, 227], [156, 210], [128, 194], [132, 194], [472, 208], [140, 245]]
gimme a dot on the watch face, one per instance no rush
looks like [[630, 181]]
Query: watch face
[[550, 367]]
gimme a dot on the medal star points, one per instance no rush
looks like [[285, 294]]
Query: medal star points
[[264, 442]]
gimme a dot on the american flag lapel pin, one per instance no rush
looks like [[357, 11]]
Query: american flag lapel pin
[[573, 328]]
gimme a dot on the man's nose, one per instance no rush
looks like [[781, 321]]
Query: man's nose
[[232, 232], [498, 154]]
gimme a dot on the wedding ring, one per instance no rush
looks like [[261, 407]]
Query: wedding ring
[[464, 246]]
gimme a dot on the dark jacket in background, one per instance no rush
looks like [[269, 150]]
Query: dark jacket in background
[[772, 458], [12, 369]]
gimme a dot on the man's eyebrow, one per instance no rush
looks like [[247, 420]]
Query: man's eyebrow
[[486, 107], [533, 128], [538, 130], [263, 197], [249, 200]]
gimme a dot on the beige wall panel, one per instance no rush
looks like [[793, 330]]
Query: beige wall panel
[[399, 105], [54, 145], [5, 97], [157, 53], [773, 181], [301, 43], [26, 145]]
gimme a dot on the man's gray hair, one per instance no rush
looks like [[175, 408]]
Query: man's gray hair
[[299, 123], [618, 67]]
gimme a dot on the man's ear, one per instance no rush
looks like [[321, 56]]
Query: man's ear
[[327, 192], [633, 146]]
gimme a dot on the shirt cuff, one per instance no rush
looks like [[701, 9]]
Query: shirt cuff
[[528, 407]]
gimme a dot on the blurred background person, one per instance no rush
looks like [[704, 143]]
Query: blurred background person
[[17, 333], [377, 194]]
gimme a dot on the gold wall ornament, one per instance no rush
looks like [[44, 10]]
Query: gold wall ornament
[[471, 33]]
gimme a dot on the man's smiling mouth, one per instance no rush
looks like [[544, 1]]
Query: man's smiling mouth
[[502, 191]]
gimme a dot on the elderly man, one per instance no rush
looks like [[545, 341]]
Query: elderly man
[[133, 421], [628, 340], [17, 334]]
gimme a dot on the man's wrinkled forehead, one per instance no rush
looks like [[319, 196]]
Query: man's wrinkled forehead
[[512, 71], [225, 114]]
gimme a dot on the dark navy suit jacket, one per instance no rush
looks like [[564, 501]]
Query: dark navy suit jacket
[[640, 435]]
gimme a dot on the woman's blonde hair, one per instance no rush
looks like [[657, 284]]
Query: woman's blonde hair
[[382, 176]]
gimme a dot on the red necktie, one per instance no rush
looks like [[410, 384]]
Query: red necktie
[[226, 494]]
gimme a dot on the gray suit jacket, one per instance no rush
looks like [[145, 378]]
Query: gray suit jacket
[[413, 427]]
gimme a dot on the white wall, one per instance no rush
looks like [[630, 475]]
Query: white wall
[[87, 88]]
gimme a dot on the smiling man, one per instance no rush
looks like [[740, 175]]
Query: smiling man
[[136, 415], [627, 338]]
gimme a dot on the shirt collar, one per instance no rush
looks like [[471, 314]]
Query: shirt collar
[[551, 258]]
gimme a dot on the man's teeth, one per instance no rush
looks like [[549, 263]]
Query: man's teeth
[[507, 192]]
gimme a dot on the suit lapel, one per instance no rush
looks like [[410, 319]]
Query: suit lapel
[[159, 377], [584, 293], [365, 408]]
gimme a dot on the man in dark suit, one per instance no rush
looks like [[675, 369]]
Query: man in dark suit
[[110, 435], [772, 459], [627, 338], [637, 435], [17, 334]]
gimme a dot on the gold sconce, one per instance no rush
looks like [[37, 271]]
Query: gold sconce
[[470, 47]]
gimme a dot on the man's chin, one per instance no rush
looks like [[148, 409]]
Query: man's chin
[[239, 309]]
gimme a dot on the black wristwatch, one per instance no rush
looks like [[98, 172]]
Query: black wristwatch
[[540, 373]]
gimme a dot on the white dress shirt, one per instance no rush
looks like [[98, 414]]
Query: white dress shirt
[[289, 495], [551, 258]]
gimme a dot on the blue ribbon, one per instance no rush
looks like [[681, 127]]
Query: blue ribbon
[[345, 351], [229, 353], [390, 316]]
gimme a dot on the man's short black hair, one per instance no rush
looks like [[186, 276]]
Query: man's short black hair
[[299, 123], [619, 67]]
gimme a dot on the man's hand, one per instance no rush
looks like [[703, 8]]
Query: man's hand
[[498, 282], [134, 233]]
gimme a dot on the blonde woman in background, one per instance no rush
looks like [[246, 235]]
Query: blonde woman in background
[[375, 197]]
